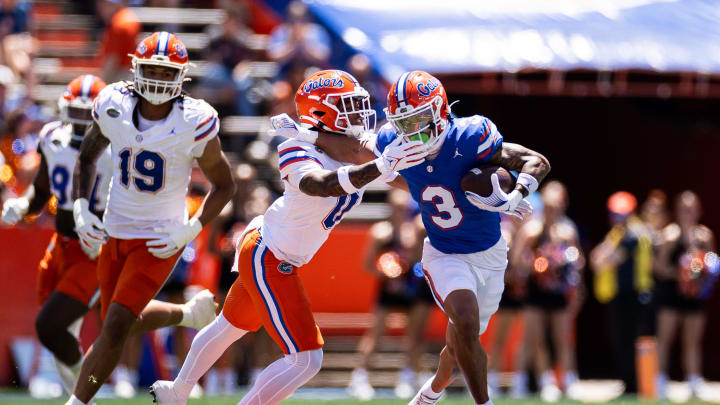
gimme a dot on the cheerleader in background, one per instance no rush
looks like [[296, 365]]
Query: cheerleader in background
[[687, 269], [547, 249]]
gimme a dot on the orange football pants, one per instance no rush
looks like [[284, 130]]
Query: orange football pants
[[67, 269], [268, 292], [130, 275]]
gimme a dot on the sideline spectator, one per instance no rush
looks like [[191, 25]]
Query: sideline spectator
[[299, 40], [687, 269], [122, 28], [227, 48], [360, 67], [623, 279], [547, 250], [510, 310], [18, 45]]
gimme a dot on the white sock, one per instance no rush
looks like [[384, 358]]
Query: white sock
[[281, 378], [209, 344], [426, 390], [68, 374], [74, 401], [489, 402]]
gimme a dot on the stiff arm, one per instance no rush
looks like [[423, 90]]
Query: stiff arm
[[345, 149]]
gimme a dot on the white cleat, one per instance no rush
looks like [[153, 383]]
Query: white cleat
[[550, 393], [360, 387], [404, 385], [422, 399], [200, 310], [164, 394], [518, 389], [124, 389], [426, 396]]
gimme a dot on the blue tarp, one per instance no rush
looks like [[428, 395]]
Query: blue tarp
[[456, 36]]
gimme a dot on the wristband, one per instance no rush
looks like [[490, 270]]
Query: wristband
[[344, 179], [382, 165], [527, 181], [388, 177]]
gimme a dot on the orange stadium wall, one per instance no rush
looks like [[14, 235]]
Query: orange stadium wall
[[335, 282]]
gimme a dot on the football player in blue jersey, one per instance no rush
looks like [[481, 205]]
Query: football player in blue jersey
[[464, 256]]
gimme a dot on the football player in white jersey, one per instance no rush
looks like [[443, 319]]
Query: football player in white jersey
[[155, 135], [66, 284], [268, 292]]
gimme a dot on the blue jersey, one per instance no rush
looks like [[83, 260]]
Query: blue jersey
[[453, 224]]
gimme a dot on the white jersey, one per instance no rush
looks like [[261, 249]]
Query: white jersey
[[151, 168], [296, 224], [61, 157]]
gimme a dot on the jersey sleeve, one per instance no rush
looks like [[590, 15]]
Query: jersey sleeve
[[45, 133], [207, 127], [295, 160], [384, 138], [489, 138], [103, 103]]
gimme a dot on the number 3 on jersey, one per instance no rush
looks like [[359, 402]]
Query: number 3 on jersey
[[149, 170], [449, 215]]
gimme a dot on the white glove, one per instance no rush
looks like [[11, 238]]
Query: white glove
[[398, 156], [88, 227], [283, 125], [91, 250], [14, 209], [499, 201], [176, 238]]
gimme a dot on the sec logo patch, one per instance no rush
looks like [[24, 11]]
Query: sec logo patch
[[285, 268]]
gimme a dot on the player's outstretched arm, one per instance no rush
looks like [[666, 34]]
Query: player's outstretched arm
[[349, 179], [519, 158], [326, 183], [216, 168], [339, 147], [33, 200], [347, 149]]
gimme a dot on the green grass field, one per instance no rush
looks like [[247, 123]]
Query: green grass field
[[19, 399]]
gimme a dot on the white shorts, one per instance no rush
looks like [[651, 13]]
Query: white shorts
[[483, 273]]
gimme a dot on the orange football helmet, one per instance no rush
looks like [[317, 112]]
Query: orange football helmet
[[76, 102], [418, 108], [160, 49], [334, 101]]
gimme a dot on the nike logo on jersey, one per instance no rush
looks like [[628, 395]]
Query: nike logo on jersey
[[457, 153]]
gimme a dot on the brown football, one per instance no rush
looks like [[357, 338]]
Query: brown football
[[478, 180]]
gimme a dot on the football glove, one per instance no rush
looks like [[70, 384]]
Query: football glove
[[174, 239], [88, 227], [398, 156], [14, 209], [283, 125], [511, 203]]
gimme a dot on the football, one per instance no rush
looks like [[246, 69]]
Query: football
[[478, 181]]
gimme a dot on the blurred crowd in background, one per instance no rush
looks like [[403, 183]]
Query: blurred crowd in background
[[654, 270]]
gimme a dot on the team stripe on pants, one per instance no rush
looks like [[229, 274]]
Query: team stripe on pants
[[258, 267]]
